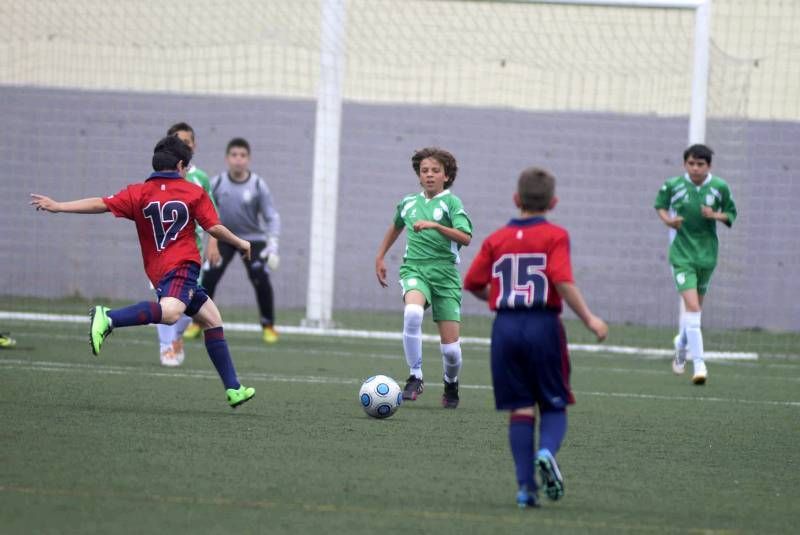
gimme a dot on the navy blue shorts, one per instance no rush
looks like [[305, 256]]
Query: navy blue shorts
[[181, 283], [530, 362]]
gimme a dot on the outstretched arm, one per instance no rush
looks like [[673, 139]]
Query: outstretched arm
[[222, 233], [92, 205], [388, 240], [570, 293]]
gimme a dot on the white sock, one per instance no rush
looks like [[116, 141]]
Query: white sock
[[694, 336], [451, 361], [682, 340], [181, 325], [166, 333], [412, 338]]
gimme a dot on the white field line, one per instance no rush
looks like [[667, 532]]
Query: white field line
[[61, 367], [259, 348], [387, 335]]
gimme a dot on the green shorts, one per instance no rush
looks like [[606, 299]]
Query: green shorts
[[691, 278], [440, 283]]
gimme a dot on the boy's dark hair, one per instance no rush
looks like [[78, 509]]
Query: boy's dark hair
[[180, 127], [168, 152], [238, 142], [535, 188], [698, 152], [442, 156]]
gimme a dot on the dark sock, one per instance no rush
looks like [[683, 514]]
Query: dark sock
[[552, 429], [138, 314], [219, 354], [520, 436]]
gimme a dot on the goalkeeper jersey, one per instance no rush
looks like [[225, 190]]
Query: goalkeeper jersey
[[695, 243], [198, 176], [429, 244]]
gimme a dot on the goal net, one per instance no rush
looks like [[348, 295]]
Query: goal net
[[598, 95]]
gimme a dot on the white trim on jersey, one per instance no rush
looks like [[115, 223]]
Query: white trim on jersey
[[703, 183]]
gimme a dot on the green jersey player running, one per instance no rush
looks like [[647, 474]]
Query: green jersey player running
[[170, 337], [438, 226], [691, 204]]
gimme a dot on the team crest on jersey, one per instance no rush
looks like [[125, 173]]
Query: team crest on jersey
[[709, 200], [247, 196], [437, 214]]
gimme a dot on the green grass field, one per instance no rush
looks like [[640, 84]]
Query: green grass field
[[118, 444]]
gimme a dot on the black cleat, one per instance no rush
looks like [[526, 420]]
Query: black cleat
[[450, 396], [414, 387]]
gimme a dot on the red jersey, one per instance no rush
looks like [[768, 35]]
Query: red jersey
[[522, 261], [164, 208]]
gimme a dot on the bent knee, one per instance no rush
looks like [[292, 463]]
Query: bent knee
[[171, 311], [170, 317]]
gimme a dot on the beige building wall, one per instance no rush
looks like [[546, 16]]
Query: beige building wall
[[536, 57]]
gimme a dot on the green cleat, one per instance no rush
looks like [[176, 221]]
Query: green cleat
[[242, 395], [552, 479], [100, 328], [6, 341]]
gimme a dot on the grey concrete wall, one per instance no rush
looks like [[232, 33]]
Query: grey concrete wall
[[71, 144]]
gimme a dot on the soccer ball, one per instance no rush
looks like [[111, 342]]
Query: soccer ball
[[380, 396]]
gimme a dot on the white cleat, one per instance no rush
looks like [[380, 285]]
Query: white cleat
[[700, 373], [679, 361], [177, 347], [170, 357]]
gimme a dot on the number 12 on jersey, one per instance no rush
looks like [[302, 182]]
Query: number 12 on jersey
[[522, 281], [173, 212]]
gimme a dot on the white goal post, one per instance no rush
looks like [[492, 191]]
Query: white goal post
[[322, 247]]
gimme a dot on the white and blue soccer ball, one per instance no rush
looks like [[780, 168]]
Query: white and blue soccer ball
[[380, 396]]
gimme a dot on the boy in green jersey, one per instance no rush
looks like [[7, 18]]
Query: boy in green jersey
[[170, 337], [691, 204], [438, 226]]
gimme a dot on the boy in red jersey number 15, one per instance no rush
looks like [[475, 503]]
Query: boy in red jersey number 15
[[524, 271], [164, 208]]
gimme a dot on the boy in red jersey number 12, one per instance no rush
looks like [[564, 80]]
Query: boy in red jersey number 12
[[164, 208], [524, 271]]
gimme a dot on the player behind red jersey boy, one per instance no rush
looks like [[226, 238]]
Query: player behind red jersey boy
[[524, 270], [164, 208]]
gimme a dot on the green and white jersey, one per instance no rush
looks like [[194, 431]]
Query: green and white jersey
[[695, 243], [430, 245], [198, 176]]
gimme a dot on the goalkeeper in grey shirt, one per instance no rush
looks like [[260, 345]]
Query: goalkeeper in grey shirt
[[245, 206]]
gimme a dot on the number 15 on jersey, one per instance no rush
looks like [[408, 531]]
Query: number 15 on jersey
[[522, 281]]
